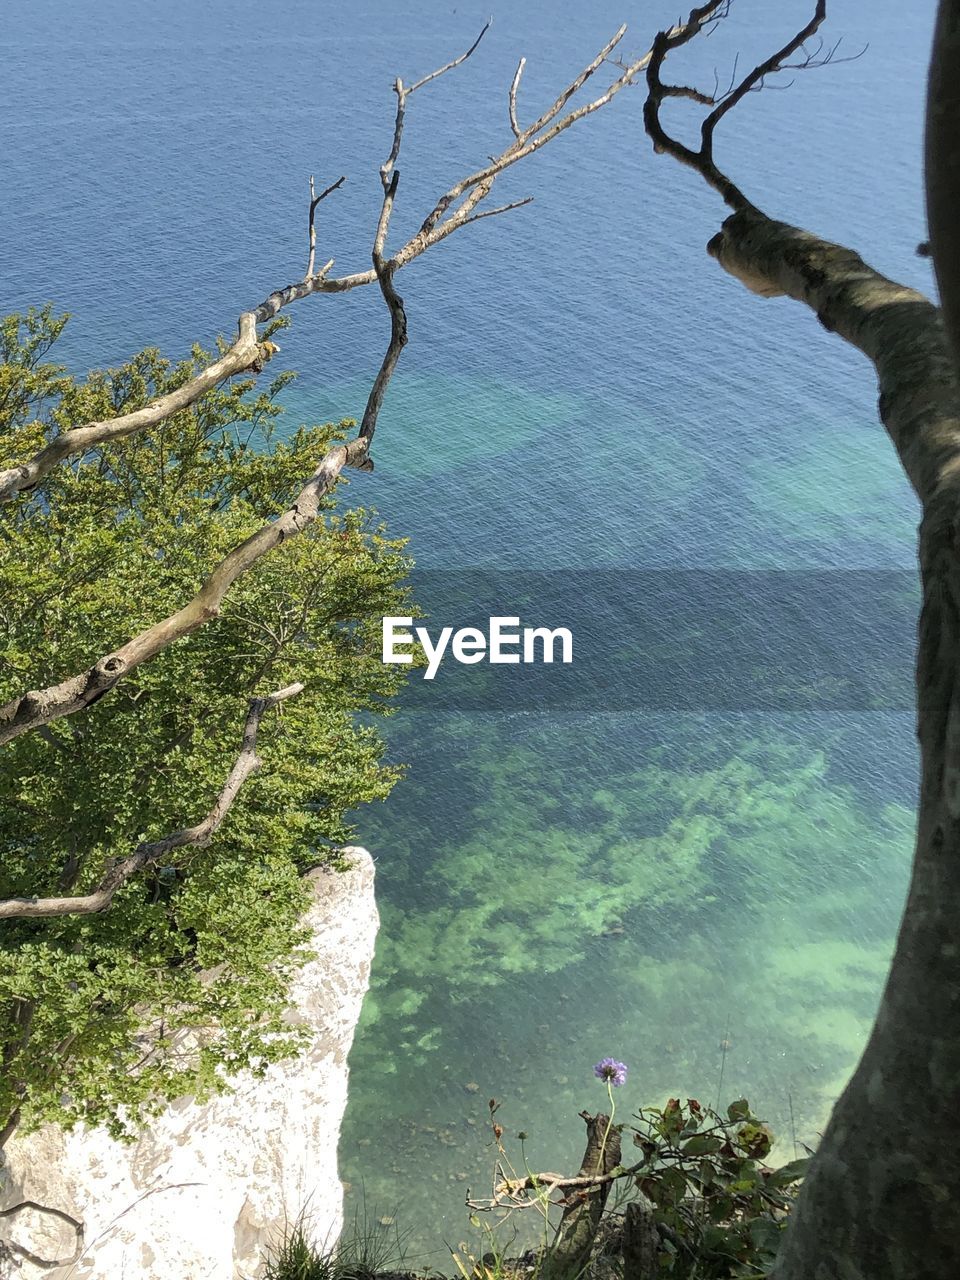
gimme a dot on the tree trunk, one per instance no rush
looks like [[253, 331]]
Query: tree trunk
[[882, 1199], [640, 1242], [570, 1254], [942, 163]]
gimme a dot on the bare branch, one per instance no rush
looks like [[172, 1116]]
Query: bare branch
[[511, 1192], [402, 92], [688, 91], [246, 353], [575, 85], [281, 298], [312, 230], [502, 208], [476, 186], [756, 76], [37, 707], [513, 98], [702, 19], [455, 63], [398, 319], [249, 354], [146, 854]]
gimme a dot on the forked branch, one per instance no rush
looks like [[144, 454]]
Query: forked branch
[[453, 210], [403, 92], [456, 208], [312, 222], [149, 854], [897, 328], [702, 159]]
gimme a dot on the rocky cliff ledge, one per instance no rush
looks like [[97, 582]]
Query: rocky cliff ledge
[[205, 1190]]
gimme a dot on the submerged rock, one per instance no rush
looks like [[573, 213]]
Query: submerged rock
[[205, 1191]]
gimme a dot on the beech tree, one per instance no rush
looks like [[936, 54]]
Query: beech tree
[[95, 1005], [882, 1197], [176, 592]]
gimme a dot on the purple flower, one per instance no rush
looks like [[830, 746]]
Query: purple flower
[[610, 1071]]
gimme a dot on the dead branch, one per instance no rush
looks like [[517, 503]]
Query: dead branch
[[511, 1192], [512, 100], [403, 92], [454, 209], [246, 353], [754, 79], [502, 208], [398, 317], [37, 707], [198, 836], [701, 160], [898, 329], [311, 227]]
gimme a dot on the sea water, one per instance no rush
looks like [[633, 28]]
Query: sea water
[[702, 882]]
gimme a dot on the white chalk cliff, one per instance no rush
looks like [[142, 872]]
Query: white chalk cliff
[[203, 1193]]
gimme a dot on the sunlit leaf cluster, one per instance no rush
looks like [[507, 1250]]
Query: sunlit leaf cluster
[[94, 1010]]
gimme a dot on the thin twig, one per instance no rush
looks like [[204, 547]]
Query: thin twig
[[455, 63], [514, 125], [312, 230], [503, 208]]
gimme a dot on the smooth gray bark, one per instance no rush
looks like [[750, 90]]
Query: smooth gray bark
[[882, 1199]]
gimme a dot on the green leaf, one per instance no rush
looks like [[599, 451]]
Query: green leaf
[[766, 1233], [703, 1144], [795, 1171]]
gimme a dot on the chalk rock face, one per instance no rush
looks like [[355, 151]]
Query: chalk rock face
[[206, 1189]]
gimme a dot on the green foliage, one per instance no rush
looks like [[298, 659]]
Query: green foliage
[[93, 1010], [719, 1209], [296, 1258], [714, 1208]]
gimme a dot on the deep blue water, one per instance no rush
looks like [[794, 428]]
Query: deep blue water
[[583, 389]]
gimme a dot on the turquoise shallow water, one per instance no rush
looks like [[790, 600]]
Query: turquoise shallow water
[[633, 884], [583, 390]]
